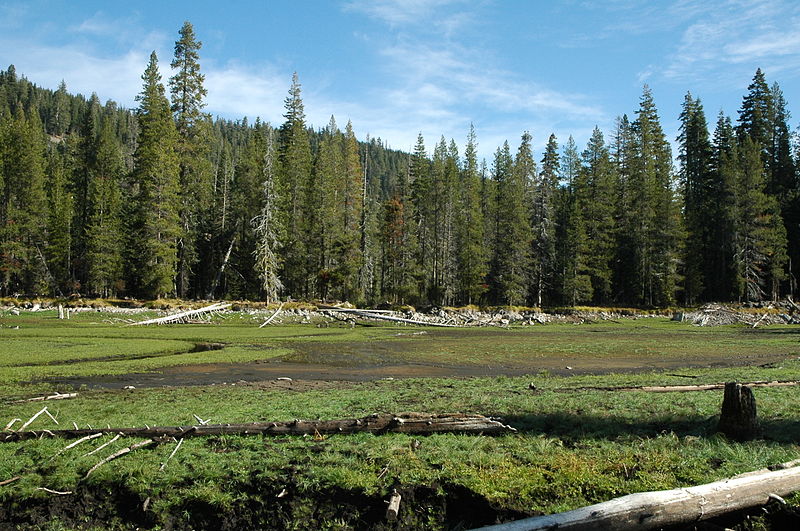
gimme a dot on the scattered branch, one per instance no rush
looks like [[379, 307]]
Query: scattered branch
[[120, 453], [273, 316], [117, 436]]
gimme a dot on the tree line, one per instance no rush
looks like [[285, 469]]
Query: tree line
[[165, 201]]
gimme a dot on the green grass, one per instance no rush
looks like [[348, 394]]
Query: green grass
[[574, 446]]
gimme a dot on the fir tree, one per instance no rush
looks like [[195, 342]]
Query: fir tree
[[700, 203], [157, 222], [193, 148], [104, 230], [472, 256], [574, 282], [293, 182], [597, 204], [543, 223]]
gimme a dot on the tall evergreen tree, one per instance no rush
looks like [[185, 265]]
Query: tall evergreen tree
[[543, 223], [513, 238], [700, 202], [722, 259], [193, 149], [157, 222], [657, 223], [104, 227], [596, 200], [574, 282], [472, 255], [293, 182]]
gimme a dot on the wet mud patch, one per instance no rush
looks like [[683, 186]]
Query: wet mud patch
[[267, 372]]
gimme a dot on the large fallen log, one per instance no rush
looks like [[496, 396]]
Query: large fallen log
[[676, 388], [182, 316], [657, 509], [417, 423], [370, 315]]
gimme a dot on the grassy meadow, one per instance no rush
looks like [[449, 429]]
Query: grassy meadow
[[575, 444]]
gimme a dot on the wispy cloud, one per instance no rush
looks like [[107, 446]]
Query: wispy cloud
[[412, 12], [734, 35]]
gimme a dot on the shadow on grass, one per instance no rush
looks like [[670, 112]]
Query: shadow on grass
[[572, 427]]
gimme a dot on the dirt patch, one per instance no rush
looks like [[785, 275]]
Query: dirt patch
[[306, 376]]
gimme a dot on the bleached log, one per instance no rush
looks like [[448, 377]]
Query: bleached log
[[183, 315], [11, 423], [273, 316], [370, 315], [417, 423], [658, 509], [678, 388], [9, 481]]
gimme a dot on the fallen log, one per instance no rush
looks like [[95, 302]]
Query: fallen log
[[677, 388], [417, 423], [182, 315], [371, 315], [657, 509]]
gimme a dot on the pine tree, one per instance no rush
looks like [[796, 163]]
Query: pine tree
[[104, 228], [596, 201], [513, 238], [193, 148], [574, 282], [351, 255], [543, 223], [656, 214], [327, 225], [23, 205], [721, 261], [293, 183], [421, 215], [757, 239], [59, 223], [700, 203], [472, 255], [157, 222]]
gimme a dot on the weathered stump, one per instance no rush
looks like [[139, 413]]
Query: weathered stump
[[738, 417]]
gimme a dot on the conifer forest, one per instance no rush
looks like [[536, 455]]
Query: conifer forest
[[166, 201]]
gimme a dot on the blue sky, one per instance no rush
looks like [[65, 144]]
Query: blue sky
[[397, 68]]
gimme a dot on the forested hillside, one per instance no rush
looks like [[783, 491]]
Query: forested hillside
[[165, 201]]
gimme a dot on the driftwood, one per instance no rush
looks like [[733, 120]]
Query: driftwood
[[117, 436], [657, 509], [9, 481], [418, 423], [273, 316], [371, 315], [183, 316], [738, 419]]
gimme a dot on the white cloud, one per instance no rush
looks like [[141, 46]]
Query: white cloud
[[732, 38]]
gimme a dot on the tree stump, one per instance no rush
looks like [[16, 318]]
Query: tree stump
[[738, 417]]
